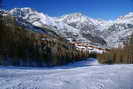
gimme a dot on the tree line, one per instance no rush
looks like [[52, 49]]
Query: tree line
[[120, 55]]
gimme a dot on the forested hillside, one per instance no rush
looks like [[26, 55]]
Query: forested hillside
[[20, 46]]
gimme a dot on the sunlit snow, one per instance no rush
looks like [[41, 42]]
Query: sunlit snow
[[87, 74]]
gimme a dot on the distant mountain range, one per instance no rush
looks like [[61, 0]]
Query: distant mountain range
[[77, 27]]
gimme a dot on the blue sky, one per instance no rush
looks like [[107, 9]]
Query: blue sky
[[104, 9]]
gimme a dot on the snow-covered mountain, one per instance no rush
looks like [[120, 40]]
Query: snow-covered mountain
[[114, 33], [42, 20], [119, 30], [89, 28], [57, 24], [77, 27]]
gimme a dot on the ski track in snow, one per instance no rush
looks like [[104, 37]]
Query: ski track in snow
[[81, 75]]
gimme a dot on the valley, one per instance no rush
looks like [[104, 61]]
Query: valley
[[66, 44], [72, 51]]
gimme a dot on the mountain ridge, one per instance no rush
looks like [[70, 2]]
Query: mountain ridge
[[81, 28]]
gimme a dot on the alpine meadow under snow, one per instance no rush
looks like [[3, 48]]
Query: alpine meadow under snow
[[81, 75]]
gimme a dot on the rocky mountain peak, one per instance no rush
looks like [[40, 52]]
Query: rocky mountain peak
[[79, 27]]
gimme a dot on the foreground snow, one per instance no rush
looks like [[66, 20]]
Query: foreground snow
[[81, 75]]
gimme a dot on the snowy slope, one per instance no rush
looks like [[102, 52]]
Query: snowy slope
[[77, 27], [58, 25], [71, 76], [42, 20], [113, 32], [119, 31], [89, 28], [78, 20]]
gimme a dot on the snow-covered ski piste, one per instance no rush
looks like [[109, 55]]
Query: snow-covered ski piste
[[87, 74]]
